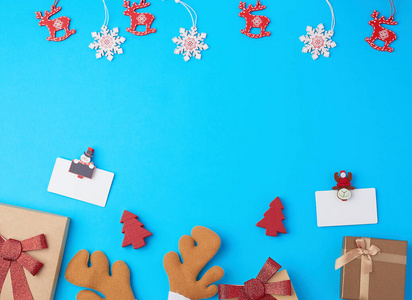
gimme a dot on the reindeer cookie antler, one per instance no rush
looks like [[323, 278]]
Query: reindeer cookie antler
[[97, 277], [183, 275]]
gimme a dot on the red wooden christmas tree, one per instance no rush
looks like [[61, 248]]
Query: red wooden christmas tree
[[133, 230], [272, 219]]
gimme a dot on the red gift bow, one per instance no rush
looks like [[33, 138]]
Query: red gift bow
[[13, 257], [258, 289]]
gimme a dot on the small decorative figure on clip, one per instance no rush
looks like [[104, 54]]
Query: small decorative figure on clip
[[343, 185], [83, 167]]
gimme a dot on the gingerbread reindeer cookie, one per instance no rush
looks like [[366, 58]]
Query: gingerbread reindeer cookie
[[183, 275], [98, 278]]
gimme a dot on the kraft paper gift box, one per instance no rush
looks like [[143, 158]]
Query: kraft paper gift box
[[281, 276], [20, 224], [372, 269]]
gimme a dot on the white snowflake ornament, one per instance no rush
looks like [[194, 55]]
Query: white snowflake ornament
[[190, 43], [107, 42], [317, 41]]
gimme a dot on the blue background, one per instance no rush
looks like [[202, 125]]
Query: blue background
[[210, 142]]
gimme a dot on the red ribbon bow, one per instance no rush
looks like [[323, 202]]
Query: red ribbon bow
[[13, 257], [258, 288]]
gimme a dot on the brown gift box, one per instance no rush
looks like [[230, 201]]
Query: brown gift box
[[387, 279], [280, 276], [20, 224]]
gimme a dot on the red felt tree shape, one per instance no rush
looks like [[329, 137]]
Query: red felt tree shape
[[272, 219], [133, 230]]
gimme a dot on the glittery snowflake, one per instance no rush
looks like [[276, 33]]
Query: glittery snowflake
[[107, 42], [190, 43], [317, 41]]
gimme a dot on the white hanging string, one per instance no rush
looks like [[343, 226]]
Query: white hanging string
[[189, 9], [332, 25], [106, 15], [393, 8]]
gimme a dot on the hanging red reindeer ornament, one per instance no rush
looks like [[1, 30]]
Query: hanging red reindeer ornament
[[381, 33], [55, 25], [254, 21], [136, 18]]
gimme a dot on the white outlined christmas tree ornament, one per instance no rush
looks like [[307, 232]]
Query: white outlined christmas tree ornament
[[318, 41], [107, 42], [190, 43]]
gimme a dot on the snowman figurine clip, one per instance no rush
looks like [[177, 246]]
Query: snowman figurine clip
[[84, 166], [343, 185]]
